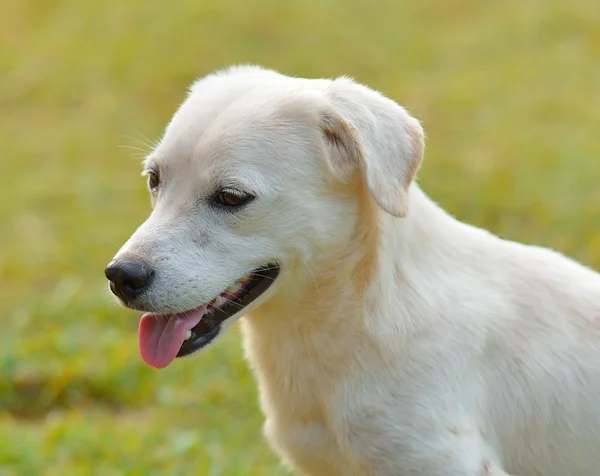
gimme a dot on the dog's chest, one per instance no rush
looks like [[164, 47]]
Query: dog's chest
[[299, 403], [297, 427], [309, 447]]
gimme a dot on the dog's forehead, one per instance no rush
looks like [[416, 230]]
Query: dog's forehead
[[219, 104], [241, 134]]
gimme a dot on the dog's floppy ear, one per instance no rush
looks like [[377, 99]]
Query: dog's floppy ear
[[367, 131]]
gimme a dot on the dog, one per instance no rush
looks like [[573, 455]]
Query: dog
[[387, 337]]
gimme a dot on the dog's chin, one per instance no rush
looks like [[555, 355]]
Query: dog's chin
[[189, 330]]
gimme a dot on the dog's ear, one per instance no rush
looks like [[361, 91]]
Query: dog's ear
[[367, 131]]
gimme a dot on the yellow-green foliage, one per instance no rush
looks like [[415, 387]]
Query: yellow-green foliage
[[509, 96]]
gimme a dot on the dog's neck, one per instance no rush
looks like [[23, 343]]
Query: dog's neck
[[345, 298], [355, 309]]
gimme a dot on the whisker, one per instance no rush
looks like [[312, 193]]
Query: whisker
[[264, 276], [150, 143], [235, 300], [314, 279], [269, 267], [137, 141], [238, 305], [132, 147], [140, 153]]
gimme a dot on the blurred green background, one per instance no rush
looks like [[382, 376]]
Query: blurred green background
[[508, 92]]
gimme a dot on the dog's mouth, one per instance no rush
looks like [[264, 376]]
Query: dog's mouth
[[163, 337]]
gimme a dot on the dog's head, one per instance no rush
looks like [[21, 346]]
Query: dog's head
[[257, 177]]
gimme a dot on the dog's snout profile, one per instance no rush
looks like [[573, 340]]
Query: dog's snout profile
[[128, 277]]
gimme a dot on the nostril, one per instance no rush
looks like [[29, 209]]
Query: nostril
[[136, 283], [129, 284]]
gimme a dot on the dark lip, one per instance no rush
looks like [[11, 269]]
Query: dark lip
[[210, 325]]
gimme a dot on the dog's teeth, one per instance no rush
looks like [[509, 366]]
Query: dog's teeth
[[219, 301], [234, 289], [188, 334]]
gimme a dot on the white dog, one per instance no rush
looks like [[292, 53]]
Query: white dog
[[388, 338]]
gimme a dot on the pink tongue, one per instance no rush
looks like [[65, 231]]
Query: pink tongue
[[160, 336]]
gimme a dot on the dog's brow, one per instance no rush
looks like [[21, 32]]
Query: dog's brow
[[149, 164], [237, 183], [249, 181]]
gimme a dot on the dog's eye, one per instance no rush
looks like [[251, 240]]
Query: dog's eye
[[231, 198], [153, 180]]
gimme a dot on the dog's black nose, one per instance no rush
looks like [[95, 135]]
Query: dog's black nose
[[128, 278]]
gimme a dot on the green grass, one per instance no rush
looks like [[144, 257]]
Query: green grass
[[507, 91]]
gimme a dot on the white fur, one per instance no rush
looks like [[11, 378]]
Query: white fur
[[461, 354]]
